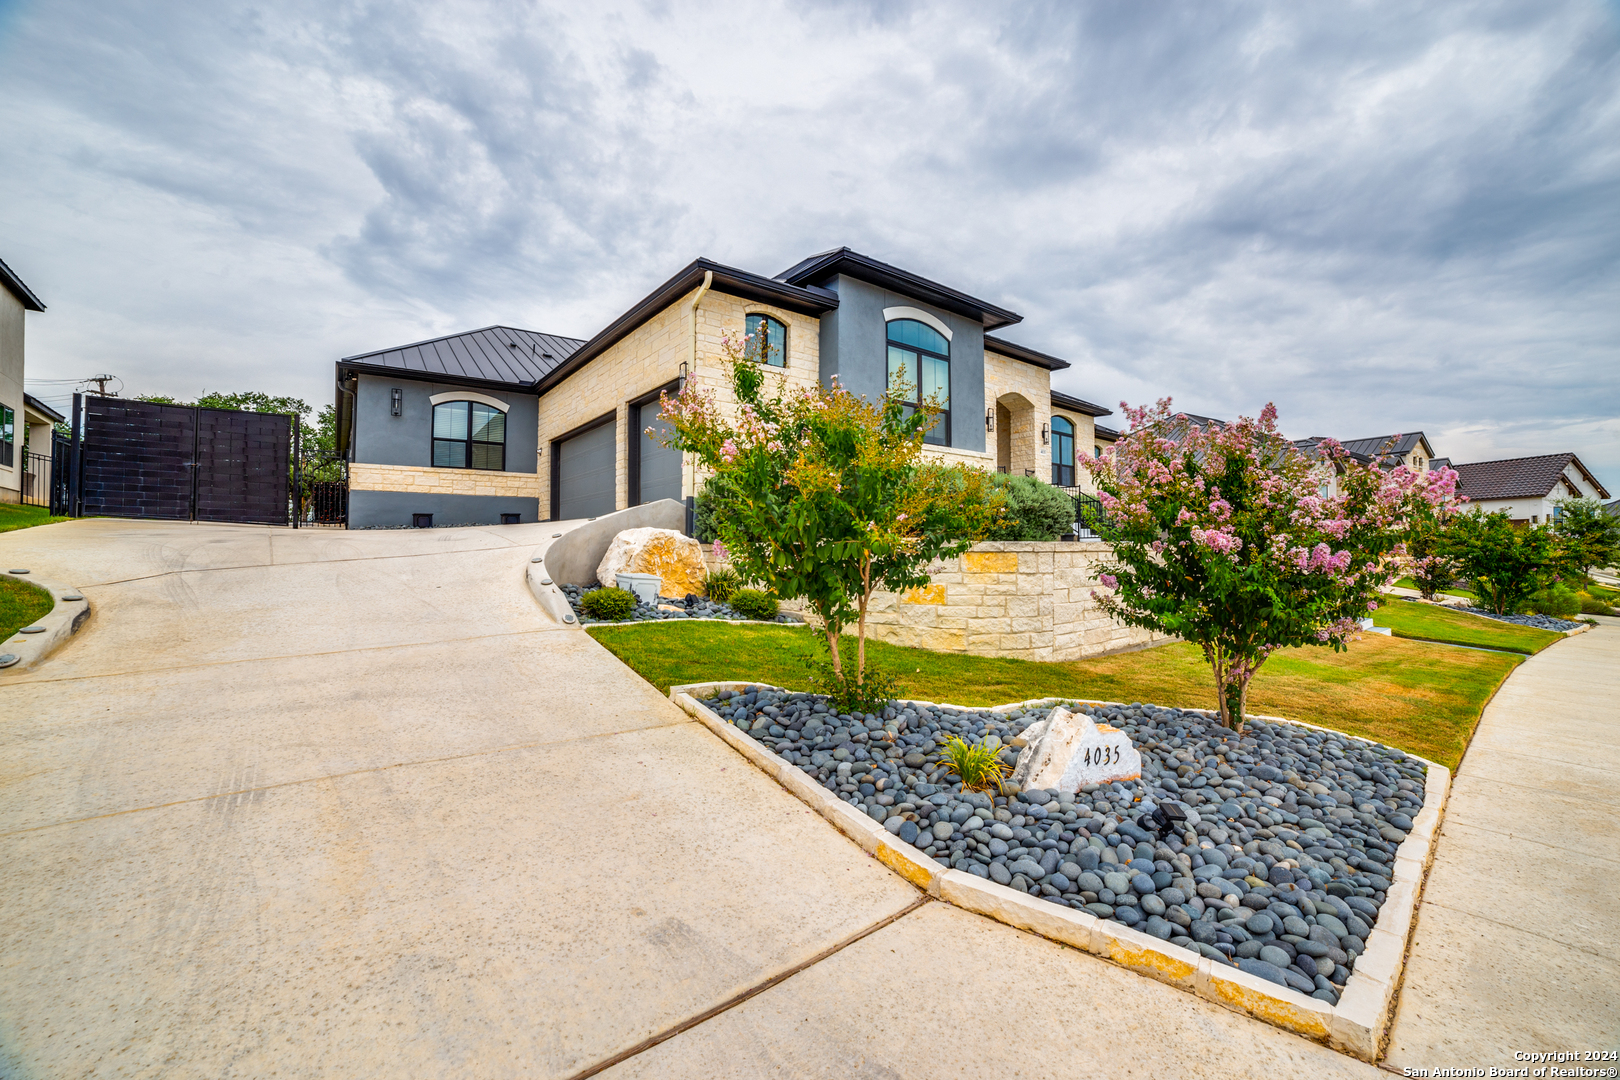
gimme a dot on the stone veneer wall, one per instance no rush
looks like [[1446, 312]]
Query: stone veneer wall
[[1029, 600], [430, 481]]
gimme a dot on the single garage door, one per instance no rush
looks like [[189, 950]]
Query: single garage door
[[659, 475], [584, 475]]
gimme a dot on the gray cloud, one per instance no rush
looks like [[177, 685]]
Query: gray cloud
[[1383, 218]]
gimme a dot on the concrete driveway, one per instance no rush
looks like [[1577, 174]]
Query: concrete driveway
[[320, 803]]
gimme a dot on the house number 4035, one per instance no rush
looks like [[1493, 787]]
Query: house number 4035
[[1102, 755]]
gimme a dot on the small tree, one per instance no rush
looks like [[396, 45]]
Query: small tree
[[1506, 563], [820, 495], [1222, 537], [1588, 534], [1432, 566]]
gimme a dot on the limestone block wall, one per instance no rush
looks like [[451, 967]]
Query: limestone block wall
[[429, 481], [1029, 600]]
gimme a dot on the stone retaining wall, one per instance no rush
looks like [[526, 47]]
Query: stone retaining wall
[[1030, 600]]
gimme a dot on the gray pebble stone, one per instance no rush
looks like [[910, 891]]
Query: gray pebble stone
[[1258, 923], [1153, 905], [999, 874], [1028, 867], [1275, 956], [1261, 969], [894, 823], [908, 832], [943, 830], [1117, 881], [1060, 882], [1142, 884]]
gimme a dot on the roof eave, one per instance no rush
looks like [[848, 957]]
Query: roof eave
[[805, 301], [1003, 347], [14, 284], [38, 406], [818, 268], [361, 368], [1079, 405]]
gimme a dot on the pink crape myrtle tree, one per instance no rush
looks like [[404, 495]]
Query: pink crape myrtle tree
[[1222, 536]]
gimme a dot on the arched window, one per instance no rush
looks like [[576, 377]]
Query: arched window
[[767, 340], [920, 358], [469, 435], [1062, 452]]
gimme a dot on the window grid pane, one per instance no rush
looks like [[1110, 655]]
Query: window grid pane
[[449, 454], [450, 420]]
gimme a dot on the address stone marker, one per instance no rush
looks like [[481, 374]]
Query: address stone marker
[[1067, 751]]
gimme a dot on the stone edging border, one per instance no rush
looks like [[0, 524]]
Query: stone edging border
[[60, 623], [1358, 1025]]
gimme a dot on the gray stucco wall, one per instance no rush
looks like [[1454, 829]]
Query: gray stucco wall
[[369, 509], [384, 439], [854, 346]]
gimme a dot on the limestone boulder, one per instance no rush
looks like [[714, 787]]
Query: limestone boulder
[[676, 559], [1067, 751]]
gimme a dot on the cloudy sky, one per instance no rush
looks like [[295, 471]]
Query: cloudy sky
[[1384, 217]]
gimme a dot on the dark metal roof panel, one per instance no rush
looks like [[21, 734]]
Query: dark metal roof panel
[[1403, 445], [819, 269], [15, 286], [501, 355]]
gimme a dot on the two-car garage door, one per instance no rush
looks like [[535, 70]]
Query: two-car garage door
[[584, 474]]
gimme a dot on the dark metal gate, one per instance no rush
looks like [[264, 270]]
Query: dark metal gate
[[182, 463]]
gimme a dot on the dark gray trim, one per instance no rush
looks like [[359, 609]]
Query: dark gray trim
[[633, 440], [1006, 348], [727, 280], [396, 507], [32, 402], [1074, 404], [15, 286], [819, 269]]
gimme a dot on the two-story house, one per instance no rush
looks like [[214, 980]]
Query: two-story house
[[501, 424]]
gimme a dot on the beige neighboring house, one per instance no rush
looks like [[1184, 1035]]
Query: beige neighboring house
[[503, 424], [21, 418], [1529, 489]]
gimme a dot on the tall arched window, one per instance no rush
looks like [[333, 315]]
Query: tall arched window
[[920, 357], [1062, 452], [767, 340], [469, 435]]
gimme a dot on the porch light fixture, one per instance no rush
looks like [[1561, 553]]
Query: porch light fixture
[[1046, 435], [396, 401], [989, 419], [680, 384]]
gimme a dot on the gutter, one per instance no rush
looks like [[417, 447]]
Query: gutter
[[708, 280]]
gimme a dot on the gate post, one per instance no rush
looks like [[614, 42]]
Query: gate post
[[75, 465], [298, 488]]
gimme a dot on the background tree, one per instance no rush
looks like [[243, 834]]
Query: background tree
[[1221, 537], [823, 496], [1588, 535], [1505, 563]]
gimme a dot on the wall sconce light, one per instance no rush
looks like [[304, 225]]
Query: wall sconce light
[[990, 419], [680, 384], [396, 401], [1046, 435]]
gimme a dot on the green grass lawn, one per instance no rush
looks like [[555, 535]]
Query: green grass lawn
[[1420, 697], [1408, 583], [1431, 623], [17, 516], [20, 605]]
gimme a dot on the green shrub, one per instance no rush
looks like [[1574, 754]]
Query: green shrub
[[1558, 601], [846, 694], [722, 584], [703, 529], [1590, 606], [753, 604], [977, 765], [613, 605], [1035, 510]]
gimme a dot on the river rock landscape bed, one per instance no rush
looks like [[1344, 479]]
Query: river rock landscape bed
[[701, 608], [1279, 869], [1540, 622]]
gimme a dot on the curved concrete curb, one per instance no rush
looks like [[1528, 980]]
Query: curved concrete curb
[[1358, 1025], [60, 623], [579, 551], [546, 591]]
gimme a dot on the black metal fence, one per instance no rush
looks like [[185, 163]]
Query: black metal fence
[[36, 479], [1088, 514]]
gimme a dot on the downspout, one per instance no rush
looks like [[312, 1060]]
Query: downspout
[[708, 280]]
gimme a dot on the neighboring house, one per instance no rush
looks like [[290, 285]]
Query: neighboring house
[[1528, 488], [475, 427], [1411, 449], [16, 300]]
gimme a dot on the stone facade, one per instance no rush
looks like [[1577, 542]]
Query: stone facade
[[364, 476], [651, 357], [1029, 600]]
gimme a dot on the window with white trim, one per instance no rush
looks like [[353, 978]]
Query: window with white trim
[[469, 435], [767, 340]]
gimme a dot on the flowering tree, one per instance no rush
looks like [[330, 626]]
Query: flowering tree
[[821, 495], [1222, 537], [1429, 555]]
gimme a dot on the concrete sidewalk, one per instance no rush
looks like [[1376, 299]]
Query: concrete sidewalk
[[322, 803], [1517, 946]]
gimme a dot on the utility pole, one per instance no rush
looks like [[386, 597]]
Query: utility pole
[[101, 382]]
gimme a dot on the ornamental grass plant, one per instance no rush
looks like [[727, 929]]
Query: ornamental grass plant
[[976, 764], [721, 584]]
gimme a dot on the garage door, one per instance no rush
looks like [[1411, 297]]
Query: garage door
[[660, 473], [585, 474]]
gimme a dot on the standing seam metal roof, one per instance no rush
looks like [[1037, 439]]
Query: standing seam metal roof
[[498, 354]]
